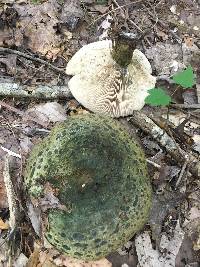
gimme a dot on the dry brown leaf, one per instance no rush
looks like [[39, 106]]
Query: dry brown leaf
[[51, 111], [188, 41], [3, 225], [33, 260], [100, 8], [37, 25], [51, 256], [10, 62], [71, 14], [70, 262], [162, 34]]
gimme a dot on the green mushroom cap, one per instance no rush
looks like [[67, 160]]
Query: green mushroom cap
[[100, 175]]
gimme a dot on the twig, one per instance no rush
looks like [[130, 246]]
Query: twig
[[21, 113], [157, 166], [150, 127], [16, 52], [157, 20], [173, 131], [123, 15], [186, 106], [11, 153], [117, 8], [182, 172]]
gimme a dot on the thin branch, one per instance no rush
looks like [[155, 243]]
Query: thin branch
[[16, 52], [113, 10], [11, 153], [123, 15], [157, 166], [182, 172], [186, 106], [149, 126], [157, 20]]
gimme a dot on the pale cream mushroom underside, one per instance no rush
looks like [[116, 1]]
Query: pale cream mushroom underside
[[97, 82]]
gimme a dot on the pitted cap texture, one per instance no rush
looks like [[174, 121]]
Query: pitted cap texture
[[99, 173]]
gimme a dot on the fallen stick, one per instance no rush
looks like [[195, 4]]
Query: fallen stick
[[186, 106], [33, 58], [142, 121], [12, 203], [13, 89]]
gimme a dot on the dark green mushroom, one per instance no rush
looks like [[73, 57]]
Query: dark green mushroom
[[100, 175]]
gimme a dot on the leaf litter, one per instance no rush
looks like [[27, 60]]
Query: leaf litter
[[48, 30]]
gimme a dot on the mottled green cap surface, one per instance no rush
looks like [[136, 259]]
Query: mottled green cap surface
[[101, 176]]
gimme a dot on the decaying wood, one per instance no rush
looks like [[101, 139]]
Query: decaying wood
[[149, 257], [198, 92], [12, 203], [12, 89], [149, 126]]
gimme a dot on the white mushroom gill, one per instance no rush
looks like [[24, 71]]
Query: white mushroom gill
[[102, 86]]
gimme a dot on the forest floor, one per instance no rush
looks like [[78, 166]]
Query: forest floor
[[37, 39]]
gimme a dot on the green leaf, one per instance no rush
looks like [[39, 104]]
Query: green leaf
[[185, 78], [157, 97]]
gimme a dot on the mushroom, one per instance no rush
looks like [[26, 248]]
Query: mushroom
[[103, 86], [98, 173]]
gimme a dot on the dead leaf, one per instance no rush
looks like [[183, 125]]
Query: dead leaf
[[50, 200], [3, 225], [26, 144], [173, 9], [21, 261], [33, 260], [148, 256], [10, 62], [164, 61], [47, 112], [6, 37], [34, 214], [162, 34], [100, 8], [72, 104], [70, 262], [188, 41], [37, 25], [105, 26], [71, 14]]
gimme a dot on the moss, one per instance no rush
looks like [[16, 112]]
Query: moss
[[100, 172]]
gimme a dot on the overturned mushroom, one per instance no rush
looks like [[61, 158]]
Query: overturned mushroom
[[103, 86], [99, 174]]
